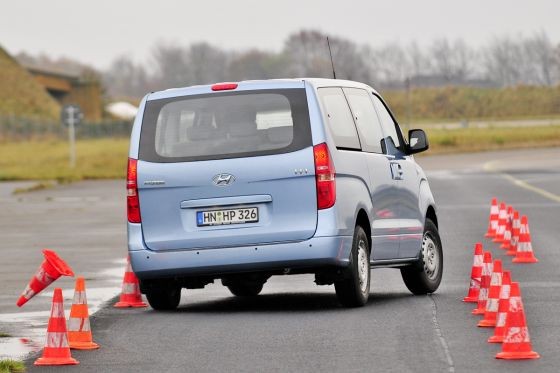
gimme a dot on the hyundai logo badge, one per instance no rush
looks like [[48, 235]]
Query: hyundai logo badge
[[223, 179]]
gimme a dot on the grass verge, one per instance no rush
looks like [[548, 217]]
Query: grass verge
[[11, 366], [48, 160], [480, 139], [106, 158]]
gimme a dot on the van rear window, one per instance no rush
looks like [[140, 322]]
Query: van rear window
[[225, 125]]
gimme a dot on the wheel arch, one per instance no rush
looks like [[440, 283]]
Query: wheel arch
[[431, 214], [362, 219]]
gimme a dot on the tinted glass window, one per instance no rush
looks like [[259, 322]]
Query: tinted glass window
[[339, 118], [366, 119], [225, 125], [389, 126]]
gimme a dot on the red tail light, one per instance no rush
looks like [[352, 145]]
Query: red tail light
[[132, 201], [324, 177], [224, 86]]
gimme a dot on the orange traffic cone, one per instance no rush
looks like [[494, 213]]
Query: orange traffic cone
[[508, 229], [51, 269], [493, 220], [502, 219], [503, 308], [524, 252], [476, 273], [484, 284], [515, 229], [130, 295], [56, 351], [517, 343], [493, 296], [79, 330]]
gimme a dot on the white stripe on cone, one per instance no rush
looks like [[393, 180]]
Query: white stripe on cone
[[77, 324], [128, 288], [517, 335], [478, 260], [57, 310], [492, 305], [56, 340], [80, 297]]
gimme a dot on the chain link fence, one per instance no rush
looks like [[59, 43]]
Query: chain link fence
[[21, 129]]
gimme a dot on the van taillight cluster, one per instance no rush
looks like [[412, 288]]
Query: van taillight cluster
[[132, 201], [324, 177]]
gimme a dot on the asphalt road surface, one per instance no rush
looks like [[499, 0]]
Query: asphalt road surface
[[297, 326]]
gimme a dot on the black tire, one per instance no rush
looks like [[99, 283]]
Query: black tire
[[424, 276], [164, 299], [353, 289], [245, 289]]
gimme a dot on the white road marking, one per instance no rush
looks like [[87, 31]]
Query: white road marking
[[490, 167], [441, 338]]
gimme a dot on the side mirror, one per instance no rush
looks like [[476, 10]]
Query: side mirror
[[417, 141]]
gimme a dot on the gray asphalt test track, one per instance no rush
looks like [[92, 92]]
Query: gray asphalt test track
[[297, 326]]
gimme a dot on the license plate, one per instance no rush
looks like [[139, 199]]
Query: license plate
[[230, 216]]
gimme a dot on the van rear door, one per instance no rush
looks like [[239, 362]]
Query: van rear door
[[229, 168]]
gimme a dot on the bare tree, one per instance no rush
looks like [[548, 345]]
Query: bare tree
[[206, 64], [125, 78], [308, 54], [540, 60], [171, 67], [504, 61], [451, 60], [418, 61], [255, 64]]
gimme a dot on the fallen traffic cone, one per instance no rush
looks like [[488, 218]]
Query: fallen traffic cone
[[51, 269], [476, 273], [502, 218], [515, 229], [79, 330], [493, 296], [524, 252], [130, 295], [503, 308], [493, 220], [56, 351], [517, 343], [484, 284], [507, 233]]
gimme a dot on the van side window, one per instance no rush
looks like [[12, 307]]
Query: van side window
[[339, 118], [392, 141], [369, 126]]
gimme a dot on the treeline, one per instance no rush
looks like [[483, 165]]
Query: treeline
[[502, 62]]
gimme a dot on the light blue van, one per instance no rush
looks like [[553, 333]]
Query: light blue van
[[243, 181]]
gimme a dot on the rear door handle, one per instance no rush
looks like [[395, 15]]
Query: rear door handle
[[396, 171]]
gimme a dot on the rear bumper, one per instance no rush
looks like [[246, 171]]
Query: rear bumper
[[313, 253]]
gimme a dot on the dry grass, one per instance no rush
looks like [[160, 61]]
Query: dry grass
[[457, 103], [480, 139], [48, 160]]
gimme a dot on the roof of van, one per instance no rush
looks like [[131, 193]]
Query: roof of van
[[260, 84]]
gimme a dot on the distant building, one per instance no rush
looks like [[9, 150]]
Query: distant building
[[37, 92], [71, 89]]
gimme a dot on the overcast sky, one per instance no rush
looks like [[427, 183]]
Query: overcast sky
[[95, 31]]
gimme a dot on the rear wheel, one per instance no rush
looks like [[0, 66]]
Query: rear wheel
[[353, 289], [164, 298], [424, 276]]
